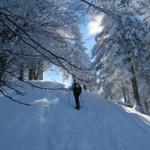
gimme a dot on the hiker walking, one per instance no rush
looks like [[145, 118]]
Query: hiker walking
[[76, 91]]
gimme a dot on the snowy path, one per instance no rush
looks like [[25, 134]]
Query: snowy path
[[52, 124]]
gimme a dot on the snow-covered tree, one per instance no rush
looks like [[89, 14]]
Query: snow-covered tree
[[122, 49], [38, 34]]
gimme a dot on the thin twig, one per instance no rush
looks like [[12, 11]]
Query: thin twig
[[14, 100]]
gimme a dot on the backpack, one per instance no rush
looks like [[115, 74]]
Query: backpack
[[77, 87]]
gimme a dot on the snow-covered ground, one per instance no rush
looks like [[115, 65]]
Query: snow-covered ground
[[52, 123]]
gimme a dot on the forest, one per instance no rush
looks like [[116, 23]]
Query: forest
[[39, 34]]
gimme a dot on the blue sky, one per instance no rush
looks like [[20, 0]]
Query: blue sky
[[53, 74], [89, 28]]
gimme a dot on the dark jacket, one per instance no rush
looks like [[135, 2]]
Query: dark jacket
[[76, 88]]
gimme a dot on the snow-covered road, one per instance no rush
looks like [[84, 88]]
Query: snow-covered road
[[52, 123]]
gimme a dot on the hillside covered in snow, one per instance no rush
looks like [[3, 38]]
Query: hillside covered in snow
[[52, 123]]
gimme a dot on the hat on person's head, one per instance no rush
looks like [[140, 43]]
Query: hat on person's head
[[74, 80]]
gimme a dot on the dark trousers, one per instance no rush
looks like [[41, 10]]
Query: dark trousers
[[76, 95]]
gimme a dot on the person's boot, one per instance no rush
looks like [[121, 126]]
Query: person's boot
[[78, 107]]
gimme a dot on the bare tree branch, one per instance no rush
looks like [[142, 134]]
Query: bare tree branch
[[46, 50], [12, 99], [107, 12]]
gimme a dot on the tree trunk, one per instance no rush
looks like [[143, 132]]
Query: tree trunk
[[35, 74], [135, 88], [40, 72], [2, 67], [21, 75], [31, 74]]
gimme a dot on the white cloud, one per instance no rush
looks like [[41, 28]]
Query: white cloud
[[95, 26]]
